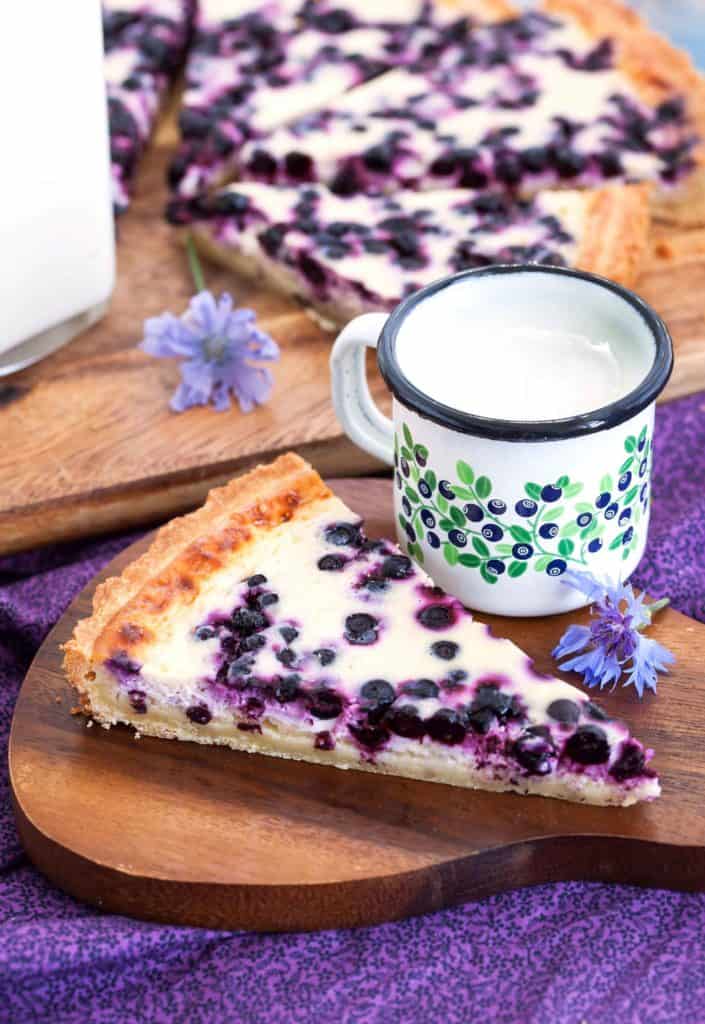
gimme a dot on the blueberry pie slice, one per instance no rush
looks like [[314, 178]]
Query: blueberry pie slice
[[144, 41], [345, 256], [257, 64], [268, 622], [577, 94]]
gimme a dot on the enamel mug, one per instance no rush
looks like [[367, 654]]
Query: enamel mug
[[497, 510]]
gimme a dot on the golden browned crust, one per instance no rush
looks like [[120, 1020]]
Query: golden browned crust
[[656, 69], [184, 553], [616, 232], [484, 10]]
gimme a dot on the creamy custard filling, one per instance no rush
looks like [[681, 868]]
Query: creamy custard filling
[[342, 643]]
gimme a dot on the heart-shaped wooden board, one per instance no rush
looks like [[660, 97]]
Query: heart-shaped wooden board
[[181, 833]]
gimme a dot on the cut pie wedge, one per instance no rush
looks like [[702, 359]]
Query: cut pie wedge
[[345, 256], [267, 622]]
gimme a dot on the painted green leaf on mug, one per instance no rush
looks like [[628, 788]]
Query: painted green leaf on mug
[[430, 478], [562, 481], [517, 569], [570, 529], [447, 524], [533, 490], [470, 561], [520, 534], [412, 495], [465, 472], [626, 464], [483, 487], [572, 490], [450, 553], [630, 444], [457, 516], [616, 542], [631, 495], [407, 436], [606, 484], [442, 504], [481, 547], [421, 454], [566, 547]]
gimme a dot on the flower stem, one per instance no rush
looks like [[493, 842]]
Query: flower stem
[[195, 265], [657, 606]]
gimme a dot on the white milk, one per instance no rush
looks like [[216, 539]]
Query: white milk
[[522, 361]]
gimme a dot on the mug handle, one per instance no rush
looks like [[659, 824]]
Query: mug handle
[[359, 416]]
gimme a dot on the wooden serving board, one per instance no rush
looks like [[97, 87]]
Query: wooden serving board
[[89, 444], [181, 833]]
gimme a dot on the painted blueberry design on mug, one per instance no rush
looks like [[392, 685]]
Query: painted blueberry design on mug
[[554, 526]]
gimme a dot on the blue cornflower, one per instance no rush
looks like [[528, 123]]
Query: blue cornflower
[[217, 344], [613, 643]]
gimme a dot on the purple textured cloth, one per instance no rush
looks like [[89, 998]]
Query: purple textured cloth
[[561, 953]]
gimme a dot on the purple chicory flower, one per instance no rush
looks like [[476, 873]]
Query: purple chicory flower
[[218, 345], [613, 644]]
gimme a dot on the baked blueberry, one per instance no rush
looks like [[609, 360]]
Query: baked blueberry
[[436, 616], [331, 563], [630, 762], [205, 633], [257, 580], [422, 689], [588, 745], [361, 628], [343, 534], [324, 655], [287, 633], [473, 513], [286, 656], [397, 567], [369, 735], [298, 166], [534, 750], [324, 703], [405, 721], [445, 649], [447, 726], [138, 701], [525, 507], [288, 689], [377, 694], [567, 712], [265, 600], [248, 620], [199, 713], [324, 741]]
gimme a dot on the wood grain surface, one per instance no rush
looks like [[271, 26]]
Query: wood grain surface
[[89, 444], [181, 833]]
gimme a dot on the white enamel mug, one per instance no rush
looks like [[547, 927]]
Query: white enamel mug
[[497, 510]]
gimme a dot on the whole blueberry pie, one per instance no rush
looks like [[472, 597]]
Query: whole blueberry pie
[[269, 622], [355, 254]]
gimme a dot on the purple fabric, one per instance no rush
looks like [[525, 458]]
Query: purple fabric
[[561, 953]]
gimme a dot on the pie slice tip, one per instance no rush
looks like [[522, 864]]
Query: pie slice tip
[[268, 622]]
